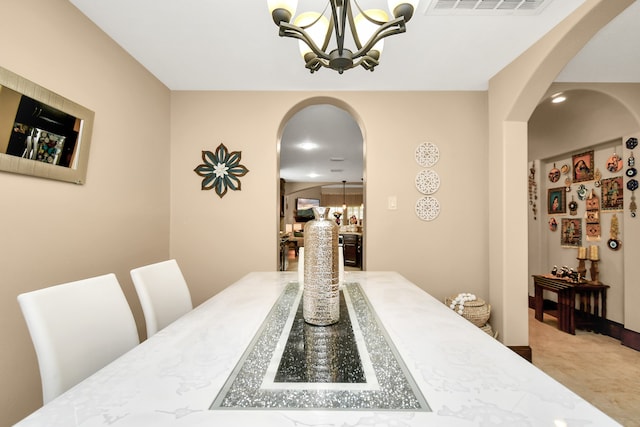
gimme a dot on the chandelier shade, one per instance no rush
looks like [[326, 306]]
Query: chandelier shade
[[322, 35]]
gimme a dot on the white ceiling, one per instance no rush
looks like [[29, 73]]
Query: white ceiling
[[234, 45]]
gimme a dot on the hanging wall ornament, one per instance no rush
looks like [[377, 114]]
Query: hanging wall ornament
[[554, 174], [582, 192], [567, 184], [597, 176], [592, 217], [533, 189], [613, 242], [632, 143], [221, 170], [573, 207], [631, 161], [427, 154], [565, 169], [553, 224], [632, 185], [614, 163]]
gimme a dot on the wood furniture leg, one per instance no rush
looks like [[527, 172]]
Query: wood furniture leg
[[539, 301]]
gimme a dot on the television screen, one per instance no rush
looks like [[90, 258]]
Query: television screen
[[304, 207]]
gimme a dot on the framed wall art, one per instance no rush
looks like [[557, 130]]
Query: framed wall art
[[571, 235], [583, 166], [612, 197], [556, 202]]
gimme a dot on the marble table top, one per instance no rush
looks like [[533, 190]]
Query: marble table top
[[464, 376]]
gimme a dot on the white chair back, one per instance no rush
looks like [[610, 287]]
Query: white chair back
[[163, 292], [77, 328]]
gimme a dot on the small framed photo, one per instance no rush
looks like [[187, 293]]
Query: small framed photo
[[556, 202], [583, 166], [612, 197], [571, 235]]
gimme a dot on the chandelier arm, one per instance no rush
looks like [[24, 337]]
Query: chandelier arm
[[396, 26], [290, 30], [367, 62], [339, 22]]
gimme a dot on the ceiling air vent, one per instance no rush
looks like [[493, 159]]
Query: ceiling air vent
[[485, 7]]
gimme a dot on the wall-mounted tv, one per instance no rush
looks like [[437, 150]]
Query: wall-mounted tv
[[304, 208]]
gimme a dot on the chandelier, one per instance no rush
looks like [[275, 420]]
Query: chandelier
[[314, 30]]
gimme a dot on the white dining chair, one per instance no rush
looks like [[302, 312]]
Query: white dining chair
[[77, 328], [163, 293]]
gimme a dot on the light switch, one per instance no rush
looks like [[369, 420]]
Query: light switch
[[392, 203]]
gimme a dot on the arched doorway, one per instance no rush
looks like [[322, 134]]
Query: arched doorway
[[321, 161]]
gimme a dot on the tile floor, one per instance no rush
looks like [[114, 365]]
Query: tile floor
[[596, 367]]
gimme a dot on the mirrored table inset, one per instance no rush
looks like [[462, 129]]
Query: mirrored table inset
[[293, 365]]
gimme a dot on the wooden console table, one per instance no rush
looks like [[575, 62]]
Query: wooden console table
[[592, 307]]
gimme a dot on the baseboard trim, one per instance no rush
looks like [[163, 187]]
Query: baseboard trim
[[630, 339], [523, 350]]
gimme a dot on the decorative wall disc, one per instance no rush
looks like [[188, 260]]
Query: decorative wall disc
[[427, 181], [632, 143], [427, 154], [427, 208]]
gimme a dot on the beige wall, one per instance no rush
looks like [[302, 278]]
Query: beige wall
[[53, 231], [220, 240], [142, 201]]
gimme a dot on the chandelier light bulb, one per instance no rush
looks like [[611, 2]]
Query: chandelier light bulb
[[282, 10], [316, 26], [366, 29]]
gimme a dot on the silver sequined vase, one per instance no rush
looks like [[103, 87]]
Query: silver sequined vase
[[321, 297]]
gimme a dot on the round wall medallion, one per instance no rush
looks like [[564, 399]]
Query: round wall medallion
[[427, 154], [427, 181], [631, 172], [632, 143], [427, 208], [632, 185]]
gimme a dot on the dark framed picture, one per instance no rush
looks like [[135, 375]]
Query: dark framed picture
[[612, 197], [556, 202], [571, 235], [583, 166]]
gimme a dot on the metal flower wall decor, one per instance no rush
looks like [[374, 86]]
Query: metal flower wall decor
[[221, 170]]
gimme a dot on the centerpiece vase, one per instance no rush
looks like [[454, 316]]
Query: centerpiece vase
[[321, 294]]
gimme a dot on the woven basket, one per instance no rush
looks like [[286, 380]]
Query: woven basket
[[477, 312]]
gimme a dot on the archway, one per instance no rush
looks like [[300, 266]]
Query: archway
[[321, 160]]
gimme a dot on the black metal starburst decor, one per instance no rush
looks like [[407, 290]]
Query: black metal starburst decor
[[221, 170]]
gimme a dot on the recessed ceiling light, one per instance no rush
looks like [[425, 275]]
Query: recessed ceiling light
[[313, 175], [337, 159], [308, 145]]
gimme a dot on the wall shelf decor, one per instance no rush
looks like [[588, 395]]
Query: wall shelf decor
[[221, 170]]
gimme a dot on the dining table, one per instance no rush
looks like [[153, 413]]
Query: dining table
[[245, 357]]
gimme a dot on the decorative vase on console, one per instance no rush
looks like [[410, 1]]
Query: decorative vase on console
[[321, 295]]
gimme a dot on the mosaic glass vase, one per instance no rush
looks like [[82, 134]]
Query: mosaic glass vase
[[321, 295]]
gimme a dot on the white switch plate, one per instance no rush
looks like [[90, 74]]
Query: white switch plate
[[392, 203]]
